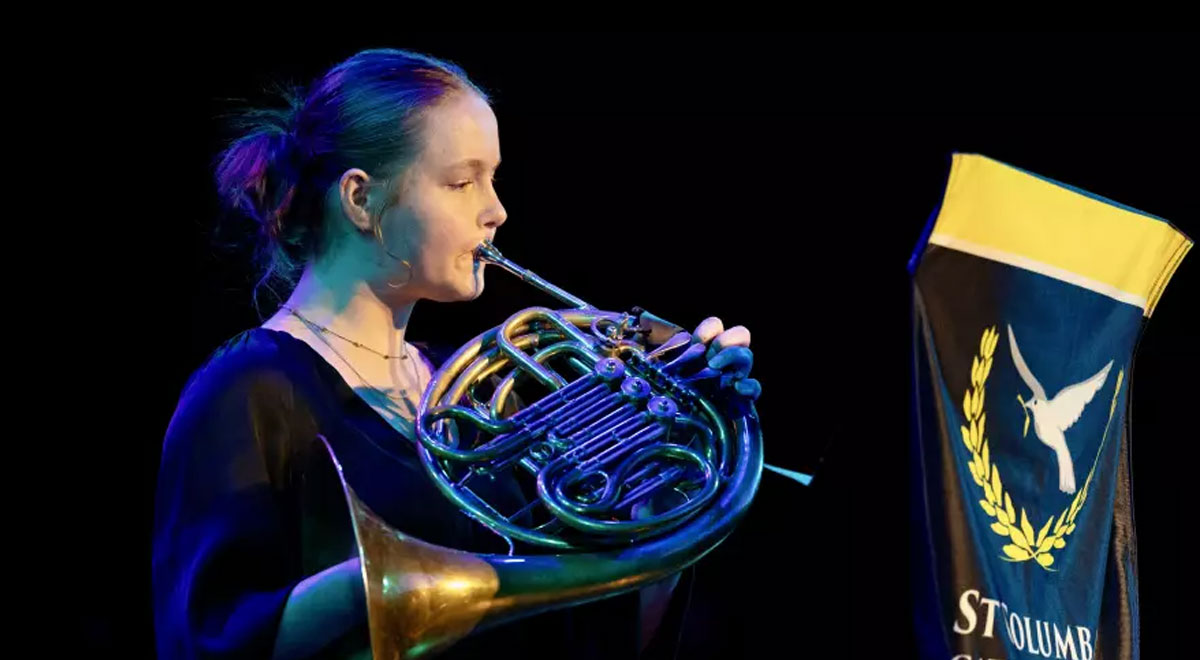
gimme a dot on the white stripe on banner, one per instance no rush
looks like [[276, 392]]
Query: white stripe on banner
[[1038, 267]]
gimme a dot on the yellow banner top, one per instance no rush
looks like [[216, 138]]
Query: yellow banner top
[[1000, 212]]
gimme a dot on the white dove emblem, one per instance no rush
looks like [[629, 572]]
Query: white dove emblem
[[1052, 417]]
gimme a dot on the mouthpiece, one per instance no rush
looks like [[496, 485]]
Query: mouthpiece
[[486, 252]]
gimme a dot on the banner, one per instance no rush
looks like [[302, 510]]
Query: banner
[[1029, 297]]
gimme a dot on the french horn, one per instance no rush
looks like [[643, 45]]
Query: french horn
[[639, 471]]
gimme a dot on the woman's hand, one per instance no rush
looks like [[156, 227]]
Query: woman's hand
[[728, 352]]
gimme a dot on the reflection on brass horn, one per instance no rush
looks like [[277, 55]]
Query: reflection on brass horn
[[639, 473]]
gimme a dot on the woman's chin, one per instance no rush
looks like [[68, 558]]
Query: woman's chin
[[475, 291], [475, 284], [464, 291]]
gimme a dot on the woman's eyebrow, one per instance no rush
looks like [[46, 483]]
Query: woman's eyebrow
[[473, 163]]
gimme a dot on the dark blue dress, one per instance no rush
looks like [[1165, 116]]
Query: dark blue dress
[[247, 506]]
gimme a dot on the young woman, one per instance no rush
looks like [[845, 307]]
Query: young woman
[[369, 194]]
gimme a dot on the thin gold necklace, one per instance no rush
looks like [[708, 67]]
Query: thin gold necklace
[[403, 391], [344, 338]]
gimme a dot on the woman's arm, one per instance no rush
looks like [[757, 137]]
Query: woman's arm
[[320, 609]]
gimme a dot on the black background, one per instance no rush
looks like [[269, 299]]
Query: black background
[[779, 181]]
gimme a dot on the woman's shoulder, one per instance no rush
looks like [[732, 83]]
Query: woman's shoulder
[[251, 350], [251, 359]]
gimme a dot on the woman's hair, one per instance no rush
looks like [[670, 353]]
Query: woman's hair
[[365, 112]]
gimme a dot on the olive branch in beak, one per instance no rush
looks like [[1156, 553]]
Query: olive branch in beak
[[1024, 409]]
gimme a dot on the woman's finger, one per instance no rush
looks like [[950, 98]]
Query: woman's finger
[[707, 330], [749, 388], [738, 335], [735, 359]]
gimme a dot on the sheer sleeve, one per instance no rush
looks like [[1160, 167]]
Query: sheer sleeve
[[224, 522]]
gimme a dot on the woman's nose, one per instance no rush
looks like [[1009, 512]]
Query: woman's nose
[[496, 217]]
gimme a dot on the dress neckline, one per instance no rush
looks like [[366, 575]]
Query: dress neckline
[[346, 392]]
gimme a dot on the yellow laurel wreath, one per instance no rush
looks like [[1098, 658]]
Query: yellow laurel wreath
[[998, 504]]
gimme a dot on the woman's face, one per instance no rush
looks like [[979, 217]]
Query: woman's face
[[448, 202]]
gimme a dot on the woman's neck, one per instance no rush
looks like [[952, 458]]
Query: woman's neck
[[349, 307]]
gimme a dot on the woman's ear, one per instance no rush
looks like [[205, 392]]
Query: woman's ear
[[355, 201]]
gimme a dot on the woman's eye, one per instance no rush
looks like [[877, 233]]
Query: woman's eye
[[462, 185]]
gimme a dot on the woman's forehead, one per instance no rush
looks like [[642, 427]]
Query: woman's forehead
[[462, 133]]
